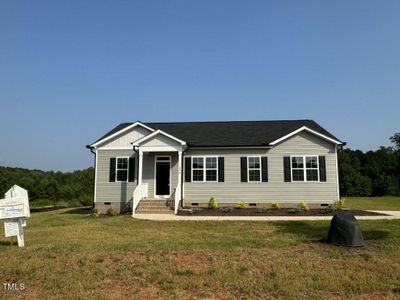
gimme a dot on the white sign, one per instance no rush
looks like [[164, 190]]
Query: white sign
[[11, 228], [10, 211], [14, 208]]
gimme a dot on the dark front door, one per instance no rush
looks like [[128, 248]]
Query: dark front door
[[162, 178]]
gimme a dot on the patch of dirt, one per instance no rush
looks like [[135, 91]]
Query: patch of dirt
[[270, 212], [196, 260]]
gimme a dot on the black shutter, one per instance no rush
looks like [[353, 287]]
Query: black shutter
[[243, 169], [322, 168], [188, 169], [131, 171], [221, 169], [264, 169], [112, 169], [286, 168]]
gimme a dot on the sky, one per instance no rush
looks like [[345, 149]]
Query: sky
[[72, 70]]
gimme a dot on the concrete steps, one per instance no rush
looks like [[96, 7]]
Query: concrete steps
[[154, 206]]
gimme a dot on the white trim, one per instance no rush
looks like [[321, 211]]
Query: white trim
[[155, 175], [121, 131], [204, 168], [306, 129], [304, 156], [116, 168], [114, 148], [248, 168], [337, 175], [158, 131], [229, 147], [96, 159], [160, 149]]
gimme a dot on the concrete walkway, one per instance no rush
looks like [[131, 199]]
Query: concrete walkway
[[391, 215]]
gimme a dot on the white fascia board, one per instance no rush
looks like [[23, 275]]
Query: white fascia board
[[121, 131], [309, 130], [149, 136]]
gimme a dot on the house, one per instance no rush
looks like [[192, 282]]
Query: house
[[184, 164]]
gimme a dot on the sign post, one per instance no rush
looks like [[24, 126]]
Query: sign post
[[15, 209]]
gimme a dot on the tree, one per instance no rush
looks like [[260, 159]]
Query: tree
[[395, 139]]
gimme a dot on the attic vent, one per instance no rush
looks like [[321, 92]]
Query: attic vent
[[252, 204]]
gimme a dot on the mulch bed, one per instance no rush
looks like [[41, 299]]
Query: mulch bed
[[271, 212]]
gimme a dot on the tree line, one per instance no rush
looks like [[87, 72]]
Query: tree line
[[74, 186], [372, 173]]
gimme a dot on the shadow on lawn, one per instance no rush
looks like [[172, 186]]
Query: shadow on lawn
[[318, 232], [79, 210]]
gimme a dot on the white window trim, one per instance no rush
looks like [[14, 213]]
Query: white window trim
[[116, 169], [304, 168], [204, 168], [259, 169]]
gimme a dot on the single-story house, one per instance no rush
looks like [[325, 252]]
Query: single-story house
[[183, 164]]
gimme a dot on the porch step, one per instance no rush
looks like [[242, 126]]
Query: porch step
[[154, 206]]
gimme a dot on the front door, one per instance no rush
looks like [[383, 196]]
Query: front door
[[163, 165]]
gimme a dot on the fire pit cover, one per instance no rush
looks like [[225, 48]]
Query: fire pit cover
[[345, 231]]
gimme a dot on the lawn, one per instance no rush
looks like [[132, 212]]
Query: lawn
[[70, 255], [373, 203]]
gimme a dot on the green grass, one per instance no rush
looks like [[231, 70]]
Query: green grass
[[70, 255], [373, 203]]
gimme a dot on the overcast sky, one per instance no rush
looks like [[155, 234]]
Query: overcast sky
[[72, 70]]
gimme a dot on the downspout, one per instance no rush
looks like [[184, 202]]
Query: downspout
[[94, 167], [187, 148], [137, 173]]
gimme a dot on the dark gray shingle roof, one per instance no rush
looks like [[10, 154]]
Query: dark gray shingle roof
[[229, 133]]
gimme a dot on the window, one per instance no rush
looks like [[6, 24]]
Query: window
[[205, 168], [254, 168], [122, 169], [305, 168]]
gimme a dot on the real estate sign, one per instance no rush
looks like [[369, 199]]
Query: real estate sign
[[14, 209]]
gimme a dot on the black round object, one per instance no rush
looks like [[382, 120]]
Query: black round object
[[345, 231]]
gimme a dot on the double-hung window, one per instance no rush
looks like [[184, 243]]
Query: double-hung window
[[305, 168], [254, 168], [122, 169], [205, 168]]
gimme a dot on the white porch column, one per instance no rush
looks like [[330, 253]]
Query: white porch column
[[180, 173], [140, 167]]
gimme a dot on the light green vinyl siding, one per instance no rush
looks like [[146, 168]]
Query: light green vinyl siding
[[112, 191], [233, 190]]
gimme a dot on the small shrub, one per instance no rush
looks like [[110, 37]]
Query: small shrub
[[195, 210], [294, 210], [339, 204], [264, 210], [213, 203], [241, 204], [111, 212], [94, 213], [303, 206], [227, 209], [328, 209], [275, 205]]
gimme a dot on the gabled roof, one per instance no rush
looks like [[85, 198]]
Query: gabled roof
[[232, 133], [158, 132]]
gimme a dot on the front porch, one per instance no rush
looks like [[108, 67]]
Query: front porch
[[159, 171]]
